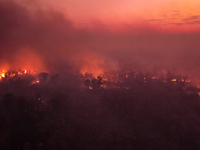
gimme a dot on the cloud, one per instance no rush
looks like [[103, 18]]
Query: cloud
[[195, 19], [158, 21]]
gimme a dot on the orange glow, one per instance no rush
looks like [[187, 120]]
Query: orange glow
[[92, 63], [13, 73], [113, 80], [187, 81], [3, 75], [27, 60], [170, 15], [173, 80], [95, 71], [105, 78], [36, 81]]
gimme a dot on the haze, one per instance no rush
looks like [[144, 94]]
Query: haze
[[94, 36]]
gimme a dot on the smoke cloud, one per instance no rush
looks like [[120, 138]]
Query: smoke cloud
[[45, 39]]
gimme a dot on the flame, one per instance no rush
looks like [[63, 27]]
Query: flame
[[36, 81], [12, 73], [3, 75], [187, 81], [113, 79], [95, 71], [92, 63], [173, 80]]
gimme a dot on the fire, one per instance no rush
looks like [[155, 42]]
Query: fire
[[95, 71], [122, 79], [173, 80], [20, 73], [3, 75], [187, 81], [88, 62], [36, 81]]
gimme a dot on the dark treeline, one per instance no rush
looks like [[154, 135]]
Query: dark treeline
[[131, 79], [59, 115]]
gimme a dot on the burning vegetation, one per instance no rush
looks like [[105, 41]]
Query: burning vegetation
[[19, 74], [115, 110], [104, 80], [131, 79], [31, 77]]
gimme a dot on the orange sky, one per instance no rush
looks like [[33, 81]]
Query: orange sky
[[53, 30], [163, 13]]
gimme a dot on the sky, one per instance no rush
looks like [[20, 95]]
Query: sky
[[116, 12], [98, 35]]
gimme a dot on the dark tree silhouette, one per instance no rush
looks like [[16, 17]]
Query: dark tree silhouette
[[43, 77], [87, 83]]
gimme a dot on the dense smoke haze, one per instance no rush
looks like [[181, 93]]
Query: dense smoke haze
[[99, 75], [43, 38]]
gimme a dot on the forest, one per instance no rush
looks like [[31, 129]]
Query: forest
[[134, 111]]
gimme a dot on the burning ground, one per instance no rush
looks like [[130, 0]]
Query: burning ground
[[123, 110], [97, 84]]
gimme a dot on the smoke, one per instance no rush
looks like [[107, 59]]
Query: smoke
[[45, 39]]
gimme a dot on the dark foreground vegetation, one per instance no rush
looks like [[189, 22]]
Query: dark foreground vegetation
[[54, 116]]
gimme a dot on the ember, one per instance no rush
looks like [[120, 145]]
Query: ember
[[173, 80], [125, 80]]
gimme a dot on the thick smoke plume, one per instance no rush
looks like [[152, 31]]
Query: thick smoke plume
[[45, 39]]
